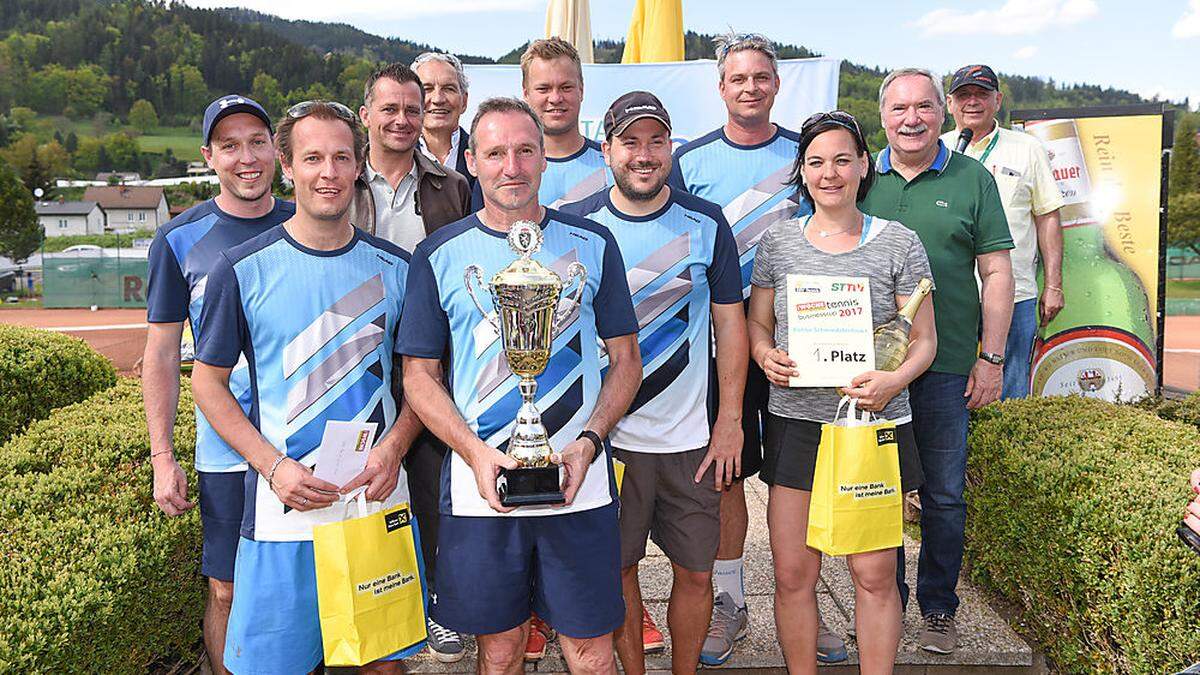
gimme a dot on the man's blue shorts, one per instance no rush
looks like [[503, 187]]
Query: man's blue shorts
[[275, 626], [222, 496], [494, 571]]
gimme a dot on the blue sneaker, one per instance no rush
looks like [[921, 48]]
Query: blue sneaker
[[729, 624], [831, 648]]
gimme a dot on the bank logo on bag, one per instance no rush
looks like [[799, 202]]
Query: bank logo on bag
[[885, 436], [397, 519]]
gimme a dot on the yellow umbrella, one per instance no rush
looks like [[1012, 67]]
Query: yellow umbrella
[[571, 21], [655, 33]]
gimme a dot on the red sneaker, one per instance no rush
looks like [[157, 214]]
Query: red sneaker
[[652, 637], [539, 635]]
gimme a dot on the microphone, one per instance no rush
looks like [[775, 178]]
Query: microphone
[[964, 139]]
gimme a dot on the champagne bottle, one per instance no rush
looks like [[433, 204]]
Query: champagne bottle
[[1101, 343], [891, 338]]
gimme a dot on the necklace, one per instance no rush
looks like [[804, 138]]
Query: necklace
[[823, 234]]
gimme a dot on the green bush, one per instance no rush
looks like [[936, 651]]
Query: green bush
[[41, 370], [1186, 410], [1073, 505], [93, 577]]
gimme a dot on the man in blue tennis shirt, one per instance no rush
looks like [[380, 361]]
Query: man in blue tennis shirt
[[552, 85], [314, 305], [238, 148], [682, 268], [497, 564], [743, 167]]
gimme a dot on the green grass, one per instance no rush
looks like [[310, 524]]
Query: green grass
[[181, 141], [23, 303], [184, 142], [1183, 288]]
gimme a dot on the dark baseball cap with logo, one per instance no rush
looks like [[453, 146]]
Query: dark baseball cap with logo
[[228, 105], [978, 75], [631, 107]]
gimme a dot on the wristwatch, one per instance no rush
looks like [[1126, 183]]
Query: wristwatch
[[994, 359], [596, 442]]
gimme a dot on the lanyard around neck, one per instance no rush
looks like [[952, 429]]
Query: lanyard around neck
[[988, 150]]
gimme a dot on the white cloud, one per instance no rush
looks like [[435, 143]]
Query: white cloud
[[1026, 52], [1188, 25], [1014, 17], [347, 10]]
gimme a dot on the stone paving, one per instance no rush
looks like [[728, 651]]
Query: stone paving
[[987, 642]]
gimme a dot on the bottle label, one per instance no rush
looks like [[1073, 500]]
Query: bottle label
[[1099, 362], [1061, 139]]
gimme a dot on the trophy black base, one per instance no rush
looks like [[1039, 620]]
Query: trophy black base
[[530, 486]]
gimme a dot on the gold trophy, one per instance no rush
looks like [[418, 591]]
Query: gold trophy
[[526, 297]]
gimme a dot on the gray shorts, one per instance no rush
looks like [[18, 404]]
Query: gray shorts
[[660, 498]]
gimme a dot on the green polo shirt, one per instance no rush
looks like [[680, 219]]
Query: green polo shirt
[[955, 208]]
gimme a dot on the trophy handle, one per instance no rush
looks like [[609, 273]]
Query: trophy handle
[[476, 273], [575, 269]]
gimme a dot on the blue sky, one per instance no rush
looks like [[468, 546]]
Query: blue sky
[[1150, 47]]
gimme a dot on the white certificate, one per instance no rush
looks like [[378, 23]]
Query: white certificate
[[830, 334], [343, 452]]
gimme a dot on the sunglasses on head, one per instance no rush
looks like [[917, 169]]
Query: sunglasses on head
[[305, 108], [838, 117]]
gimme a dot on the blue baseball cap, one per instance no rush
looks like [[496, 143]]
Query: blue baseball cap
[[228, 105]]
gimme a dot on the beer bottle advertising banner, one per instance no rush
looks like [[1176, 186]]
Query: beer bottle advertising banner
[[1106, 342]]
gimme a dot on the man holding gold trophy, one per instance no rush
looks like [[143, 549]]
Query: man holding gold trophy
[[528, 499]]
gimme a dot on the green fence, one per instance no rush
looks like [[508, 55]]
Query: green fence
[[1183, 263], [104, 281]]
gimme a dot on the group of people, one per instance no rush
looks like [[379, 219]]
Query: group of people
[[351, 304]]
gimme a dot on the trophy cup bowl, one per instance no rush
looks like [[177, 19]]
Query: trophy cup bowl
[[526, 295]]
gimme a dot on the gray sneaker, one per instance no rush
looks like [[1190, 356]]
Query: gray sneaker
[[831, 648], [729, 624], [446, 645], [940, 635]]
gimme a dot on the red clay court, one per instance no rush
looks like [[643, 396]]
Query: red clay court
[[120, 334]]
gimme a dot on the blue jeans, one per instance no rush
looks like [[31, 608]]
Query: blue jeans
[[1019, 350], [940, 426]]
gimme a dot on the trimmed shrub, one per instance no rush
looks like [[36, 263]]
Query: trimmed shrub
[[1186, 410], [93, 577], [1073, 505], [41, 370]]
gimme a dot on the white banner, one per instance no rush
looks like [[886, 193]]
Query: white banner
[[687, 88]]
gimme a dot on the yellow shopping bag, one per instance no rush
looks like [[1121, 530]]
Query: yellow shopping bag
[[856, 503], [370, 585]]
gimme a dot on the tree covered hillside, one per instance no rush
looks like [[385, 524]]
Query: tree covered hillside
[[103, 85]]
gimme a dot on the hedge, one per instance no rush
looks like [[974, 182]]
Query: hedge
[[93, 577], [41, 370], [1073, 505]]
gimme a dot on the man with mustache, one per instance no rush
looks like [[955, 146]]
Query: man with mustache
[[313, 304], [951, 202], [500, 564], [403, 195], [743, 167], [681, 264], [238, 147], [1031, 199], [445, 101]]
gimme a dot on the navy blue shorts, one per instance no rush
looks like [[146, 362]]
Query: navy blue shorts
[[493, 572], [222, 496]]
